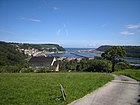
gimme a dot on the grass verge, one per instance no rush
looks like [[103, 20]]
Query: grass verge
[[43, 88], [135, 74]]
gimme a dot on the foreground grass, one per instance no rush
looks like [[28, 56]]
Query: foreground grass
[[135, 74], [43, 89]]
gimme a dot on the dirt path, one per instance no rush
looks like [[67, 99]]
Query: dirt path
[[121, 91]]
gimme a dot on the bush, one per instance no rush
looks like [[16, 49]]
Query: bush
[[86, 65], [98, 66], [122, 65], [25, 70], [68, 65], [37, 69], [9, 69], [41, 69]]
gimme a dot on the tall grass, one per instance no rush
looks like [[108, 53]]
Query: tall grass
[[133, 73], [43, 89]]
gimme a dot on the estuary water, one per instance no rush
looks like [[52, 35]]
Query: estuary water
[[71, 53]]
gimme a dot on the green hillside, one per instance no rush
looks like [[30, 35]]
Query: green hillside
[[12, 59], [9, 55], [132, 51], [47, 47]]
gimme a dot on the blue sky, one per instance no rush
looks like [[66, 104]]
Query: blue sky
[[71, 23]]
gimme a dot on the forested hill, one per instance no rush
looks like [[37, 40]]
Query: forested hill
[[47, 47], [9, 55], [14, 53], [132, 51]]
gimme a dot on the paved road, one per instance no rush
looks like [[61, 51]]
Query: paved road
[[121, 91]]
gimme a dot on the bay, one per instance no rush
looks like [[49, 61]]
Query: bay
[[74, 49], [71, 53]]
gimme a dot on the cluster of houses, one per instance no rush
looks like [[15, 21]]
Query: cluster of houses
[[40, 58], [35, 52]]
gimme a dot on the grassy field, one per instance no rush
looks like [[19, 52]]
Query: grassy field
[[135, 74], [43, 88]]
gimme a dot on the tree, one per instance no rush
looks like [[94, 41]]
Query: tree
[[113, 54]]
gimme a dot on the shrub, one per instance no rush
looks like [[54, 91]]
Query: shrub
[[98, 66], [25, 70], [9, 69], [41, 69], [122, 65], [86, 65], [38, 69]]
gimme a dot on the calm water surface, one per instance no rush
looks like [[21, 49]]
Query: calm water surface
[[87, 54]]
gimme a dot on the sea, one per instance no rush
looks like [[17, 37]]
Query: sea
[[70, 53]]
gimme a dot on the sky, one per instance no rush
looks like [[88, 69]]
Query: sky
[[71, 23]]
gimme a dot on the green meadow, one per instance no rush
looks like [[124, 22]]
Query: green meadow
[[44, 89], [133, 73]]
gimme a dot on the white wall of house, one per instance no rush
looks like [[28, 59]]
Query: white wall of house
[[54, 59], [57, 67]]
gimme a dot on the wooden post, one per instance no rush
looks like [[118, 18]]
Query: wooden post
[[63, 92]]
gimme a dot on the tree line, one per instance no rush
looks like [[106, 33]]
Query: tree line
[[94, 65]]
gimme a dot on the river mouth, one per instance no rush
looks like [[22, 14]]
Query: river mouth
[[131, 60], [90, 53]]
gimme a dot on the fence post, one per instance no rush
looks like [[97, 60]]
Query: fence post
[[63, 92]]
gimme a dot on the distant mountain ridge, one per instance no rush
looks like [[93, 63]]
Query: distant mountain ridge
[[132, 51]]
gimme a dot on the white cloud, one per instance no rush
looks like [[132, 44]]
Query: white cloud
[[55, 8], [127, 33], [34, 20], [66, 30], [31, 19], [58, 31], [63, 30], [133, 26], [67, 33]]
